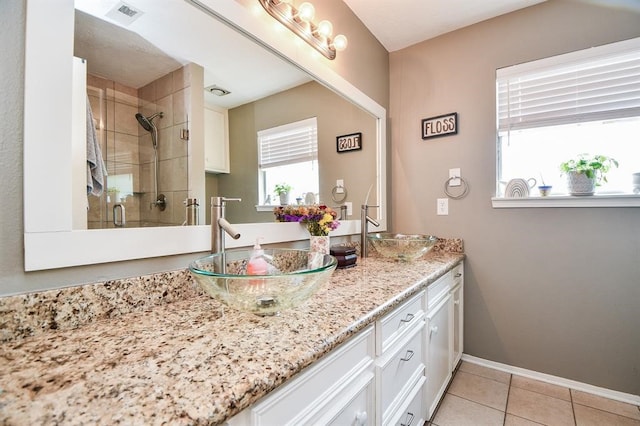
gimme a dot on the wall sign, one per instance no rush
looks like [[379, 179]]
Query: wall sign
[[441, 125], [352, 142]]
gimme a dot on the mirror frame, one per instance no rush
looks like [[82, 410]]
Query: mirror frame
[[49, 238]]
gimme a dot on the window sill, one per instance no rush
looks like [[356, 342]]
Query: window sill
[[618, 200]]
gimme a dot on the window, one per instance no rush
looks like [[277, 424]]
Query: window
[[288, 154], [556, 108]]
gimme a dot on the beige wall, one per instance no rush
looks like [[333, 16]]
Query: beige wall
[[335, 116], [552, 290]]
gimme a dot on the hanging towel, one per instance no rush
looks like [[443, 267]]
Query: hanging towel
[[96, 171]]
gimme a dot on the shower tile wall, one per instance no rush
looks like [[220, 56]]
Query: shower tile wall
[[128, 150], [171, 95]]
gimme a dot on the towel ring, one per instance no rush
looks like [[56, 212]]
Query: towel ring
[[334, 191], [465, 189]]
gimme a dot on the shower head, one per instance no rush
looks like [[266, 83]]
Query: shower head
[[147, 122]]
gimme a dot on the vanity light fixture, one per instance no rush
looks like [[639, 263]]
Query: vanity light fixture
[[300, 21]]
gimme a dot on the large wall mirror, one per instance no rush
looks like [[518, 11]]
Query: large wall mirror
[[145, 81]]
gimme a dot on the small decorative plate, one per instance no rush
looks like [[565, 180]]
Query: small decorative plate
[[516, 188]]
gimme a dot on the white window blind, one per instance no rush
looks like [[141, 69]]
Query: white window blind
[[595, 84], [288, 144]]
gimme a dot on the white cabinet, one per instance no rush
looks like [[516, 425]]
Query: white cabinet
[[438, 354], [216, 140], [400, 364], [392, 373], [457, 322], [444, 328], [338, 389]]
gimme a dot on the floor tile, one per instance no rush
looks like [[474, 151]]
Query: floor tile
[[511, 420], [587, 416], [455, 411], [605, 404], [541, 387], [539, 408], [480, 389], [489, 373]]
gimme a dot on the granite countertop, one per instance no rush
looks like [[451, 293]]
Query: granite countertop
[[74, 356]]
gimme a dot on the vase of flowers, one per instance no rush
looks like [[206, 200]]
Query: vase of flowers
[[318, 219]]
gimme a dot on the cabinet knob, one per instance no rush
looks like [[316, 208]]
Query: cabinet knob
[[408, 420], [458, 275], [407, 356], [456, 302], [434, 329], [361, 418]]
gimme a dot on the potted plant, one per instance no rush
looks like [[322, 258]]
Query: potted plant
[[586, 172], [282, 190]]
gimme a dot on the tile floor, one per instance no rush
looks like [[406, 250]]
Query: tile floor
[[483, 396]]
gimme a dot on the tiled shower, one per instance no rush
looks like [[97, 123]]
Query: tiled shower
[[128, 151]]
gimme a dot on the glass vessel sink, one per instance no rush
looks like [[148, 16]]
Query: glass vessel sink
[[292, 276], [401, 246]]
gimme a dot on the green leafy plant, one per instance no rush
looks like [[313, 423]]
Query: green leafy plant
[[593, 166], [282, 188]]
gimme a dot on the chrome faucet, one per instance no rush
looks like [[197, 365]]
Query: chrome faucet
[[220, 224], [365, 220]]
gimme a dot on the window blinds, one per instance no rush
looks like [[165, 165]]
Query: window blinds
[[594, 84], [288, 144]]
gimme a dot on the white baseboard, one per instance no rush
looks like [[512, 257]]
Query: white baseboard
[[555, 380]]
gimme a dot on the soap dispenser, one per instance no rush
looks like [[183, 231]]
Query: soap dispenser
[[257, 265]]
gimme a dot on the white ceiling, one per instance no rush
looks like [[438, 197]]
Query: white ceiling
[[401, 23], [126, 51]]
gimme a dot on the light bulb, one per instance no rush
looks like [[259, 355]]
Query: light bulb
[[306, 11], [340, 42], [325, 28]]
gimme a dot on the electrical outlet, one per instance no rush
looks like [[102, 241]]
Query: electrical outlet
[[349, 205], [443, 206], [454, 173]]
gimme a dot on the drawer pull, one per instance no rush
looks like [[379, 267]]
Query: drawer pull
[[361, 418], [408, 420], [407, 356], [408, 318]]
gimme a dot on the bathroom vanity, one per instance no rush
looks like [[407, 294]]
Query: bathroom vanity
[[377, 345]]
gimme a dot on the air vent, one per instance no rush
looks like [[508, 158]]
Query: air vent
[[124, 14], [217, 90]]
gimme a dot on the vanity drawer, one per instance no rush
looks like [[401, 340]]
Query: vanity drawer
[[391, 327], [413, 413], [399, 368], [439, 289], [318, 385]]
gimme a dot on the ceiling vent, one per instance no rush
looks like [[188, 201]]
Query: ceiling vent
[[216, 90], [124, 14]]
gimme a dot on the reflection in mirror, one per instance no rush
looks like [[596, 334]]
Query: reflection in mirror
[[238, 64], [335, 117], [147, 160]]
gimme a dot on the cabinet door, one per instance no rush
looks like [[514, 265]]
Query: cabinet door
[[439, 350], [216, 141], [457, 323]]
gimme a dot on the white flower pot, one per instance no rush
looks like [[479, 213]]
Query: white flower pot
[[284, 199], [580, 184]]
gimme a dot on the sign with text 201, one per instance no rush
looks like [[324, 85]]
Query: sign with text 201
[[442, 125], [350, 142]]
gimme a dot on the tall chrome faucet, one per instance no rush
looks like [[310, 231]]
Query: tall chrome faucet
[[220, 224], [365, 220]]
